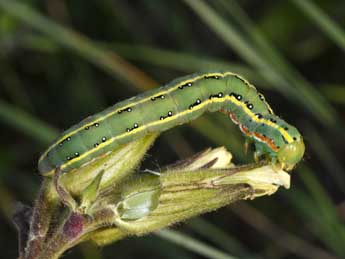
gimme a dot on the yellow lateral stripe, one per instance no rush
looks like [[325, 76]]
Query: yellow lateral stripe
[[191, 80], [269, 123], [154, 123]]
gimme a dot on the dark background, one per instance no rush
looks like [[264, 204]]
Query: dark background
[[63, 60]]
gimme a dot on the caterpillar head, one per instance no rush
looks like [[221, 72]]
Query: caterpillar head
[[290, 154]]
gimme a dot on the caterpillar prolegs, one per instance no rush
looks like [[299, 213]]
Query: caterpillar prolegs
[[178, 102]]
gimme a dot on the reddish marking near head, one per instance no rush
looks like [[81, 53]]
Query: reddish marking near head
[[245, 130], [266, 140], [233, 118]]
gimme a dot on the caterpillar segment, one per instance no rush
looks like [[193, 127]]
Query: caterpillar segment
[[176, 103]]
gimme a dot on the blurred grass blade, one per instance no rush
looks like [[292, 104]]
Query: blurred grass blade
[[13, 85], [335, 93], [184, 61], [320, 18], [318, 226], [230, 36], [318, 209], [220, 237], [326, 157], [227, 32], [26, 123], [107, 60], [288, 241], [192, 244]]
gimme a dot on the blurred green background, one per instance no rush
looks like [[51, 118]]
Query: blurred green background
[[63, 60]]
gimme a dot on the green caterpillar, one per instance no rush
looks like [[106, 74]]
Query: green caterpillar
[[178, 102]]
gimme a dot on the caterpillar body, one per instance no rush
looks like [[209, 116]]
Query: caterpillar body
[[178, 102]]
